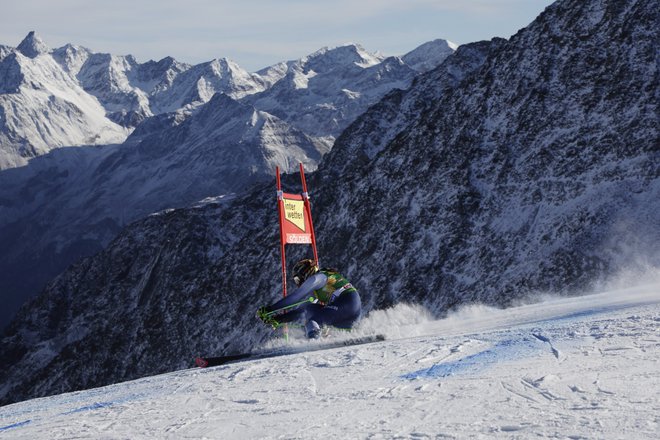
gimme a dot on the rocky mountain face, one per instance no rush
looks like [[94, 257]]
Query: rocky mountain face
[[543, 176], [515, 167], [197, 133], [42, 107]]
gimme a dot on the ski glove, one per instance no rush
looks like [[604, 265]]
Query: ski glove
[[267, 318]]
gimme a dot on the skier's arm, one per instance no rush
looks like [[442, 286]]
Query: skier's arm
[[306, 290]]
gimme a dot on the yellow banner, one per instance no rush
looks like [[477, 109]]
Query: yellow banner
[[294, 211]]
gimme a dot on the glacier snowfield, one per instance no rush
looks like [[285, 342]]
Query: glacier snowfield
[[575, 368]]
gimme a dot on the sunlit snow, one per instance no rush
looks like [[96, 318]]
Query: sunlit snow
[[583, 367]]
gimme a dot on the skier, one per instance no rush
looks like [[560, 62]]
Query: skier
[[326, 297]]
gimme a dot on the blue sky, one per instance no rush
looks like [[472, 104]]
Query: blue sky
[[259, 33]]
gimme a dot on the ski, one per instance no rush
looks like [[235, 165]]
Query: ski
[[204, 362]]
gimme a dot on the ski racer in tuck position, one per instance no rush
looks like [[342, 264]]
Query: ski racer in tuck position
[[324, 297]]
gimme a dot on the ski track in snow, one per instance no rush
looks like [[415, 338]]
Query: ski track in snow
[[585, 367]]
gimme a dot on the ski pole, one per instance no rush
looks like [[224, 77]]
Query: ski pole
[[277, 325], [306, 300]]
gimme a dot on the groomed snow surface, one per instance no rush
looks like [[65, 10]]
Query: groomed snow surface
[[583, 367]]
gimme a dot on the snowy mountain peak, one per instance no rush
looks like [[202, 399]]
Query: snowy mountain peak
[[220, 67], [229, 65], [71, 57], [366, 58], [32, 46], [327, 59], [156, 76], [429, 55], [226, 68], [272, 74], [221, 102]]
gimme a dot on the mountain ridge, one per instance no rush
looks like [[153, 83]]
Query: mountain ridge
[[130, 92]]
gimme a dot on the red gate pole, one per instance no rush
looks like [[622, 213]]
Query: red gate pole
[[280, 210], [305, 195]]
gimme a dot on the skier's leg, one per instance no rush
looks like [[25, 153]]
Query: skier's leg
[[342, 313], [312, 329]]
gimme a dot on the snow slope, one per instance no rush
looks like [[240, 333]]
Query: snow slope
[[582, 367]]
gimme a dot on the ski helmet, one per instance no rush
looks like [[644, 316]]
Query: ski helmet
[[303, 269]]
